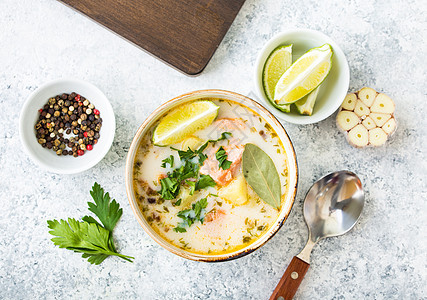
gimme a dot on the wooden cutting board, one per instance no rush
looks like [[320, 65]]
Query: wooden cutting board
[[182, 33]]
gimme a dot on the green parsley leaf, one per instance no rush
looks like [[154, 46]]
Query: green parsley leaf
[[180, 229], [204, 182], [171, 184], [185, 155], [222, 137], [190, 216], [221, 156], [192, 185], [202, 158], [107, 212], [178, 202], [169, 161], [89, 239], [189, 154], [169, 188]]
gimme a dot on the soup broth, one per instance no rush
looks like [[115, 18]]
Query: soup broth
[[233, 216]]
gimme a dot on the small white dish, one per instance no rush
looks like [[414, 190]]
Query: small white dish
[[333, 89], [47, 158]]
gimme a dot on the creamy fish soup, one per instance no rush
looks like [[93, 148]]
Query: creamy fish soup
[[204, 193]]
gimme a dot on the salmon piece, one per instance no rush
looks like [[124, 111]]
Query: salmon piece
[[228, 124], [214, 224], [214, 215], [234, 152], [211, 164], [161, 176]]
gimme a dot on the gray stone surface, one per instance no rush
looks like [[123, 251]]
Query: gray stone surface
[[384, 257]]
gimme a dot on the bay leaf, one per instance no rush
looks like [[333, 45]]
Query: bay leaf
[[261, 174]]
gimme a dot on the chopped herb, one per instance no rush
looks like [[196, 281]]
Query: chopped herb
[[165, 209], [204, 182], [171, 184], [169, 188], [169, 161], [246, 239], [189, 216], [261, 228], [223, 137], [221, 156], [202, 158], [178, 202], [192, 185], [180, 229], [189, 154]]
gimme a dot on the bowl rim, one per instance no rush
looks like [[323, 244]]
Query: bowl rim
[[109, 138], [279, 39], [169, 246]]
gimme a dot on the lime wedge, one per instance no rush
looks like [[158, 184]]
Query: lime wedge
[[276, 64], [305, 105], [183, 121], [305, 74]]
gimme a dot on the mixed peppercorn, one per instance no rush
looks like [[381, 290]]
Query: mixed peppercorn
[[68, 124]]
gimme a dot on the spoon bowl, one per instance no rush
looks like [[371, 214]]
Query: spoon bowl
[[332, 207]]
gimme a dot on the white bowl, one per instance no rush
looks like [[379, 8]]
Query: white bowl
[[47, 158], [333, 89]]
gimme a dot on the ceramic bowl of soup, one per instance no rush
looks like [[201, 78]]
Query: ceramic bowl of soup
[[196, 197]]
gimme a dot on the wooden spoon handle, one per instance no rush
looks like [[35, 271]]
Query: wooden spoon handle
[[288, 285]]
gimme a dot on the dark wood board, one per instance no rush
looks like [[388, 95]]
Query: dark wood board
[[182, 33]]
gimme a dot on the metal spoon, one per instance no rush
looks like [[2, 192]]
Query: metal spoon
[[332, 207]]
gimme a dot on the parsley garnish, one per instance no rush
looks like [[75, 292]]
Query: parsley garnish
[[189, 216], [189, 154], [192, 185], [89, 237], [221, 156], [169, 161], [171, 184], [204, 182]]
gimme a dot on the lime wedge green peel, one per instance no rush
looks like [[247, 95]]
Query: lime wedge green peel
[[277, 64], [305, 74], [183, 121]]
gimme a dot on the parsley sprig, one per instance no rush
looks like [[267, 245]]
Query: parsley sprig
[[89, 237], [190, 216], [169, 161], [171, 184], [221, 156]]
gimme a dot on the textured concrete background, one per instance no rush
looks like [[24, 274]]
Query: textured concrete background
[[384, 257]]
